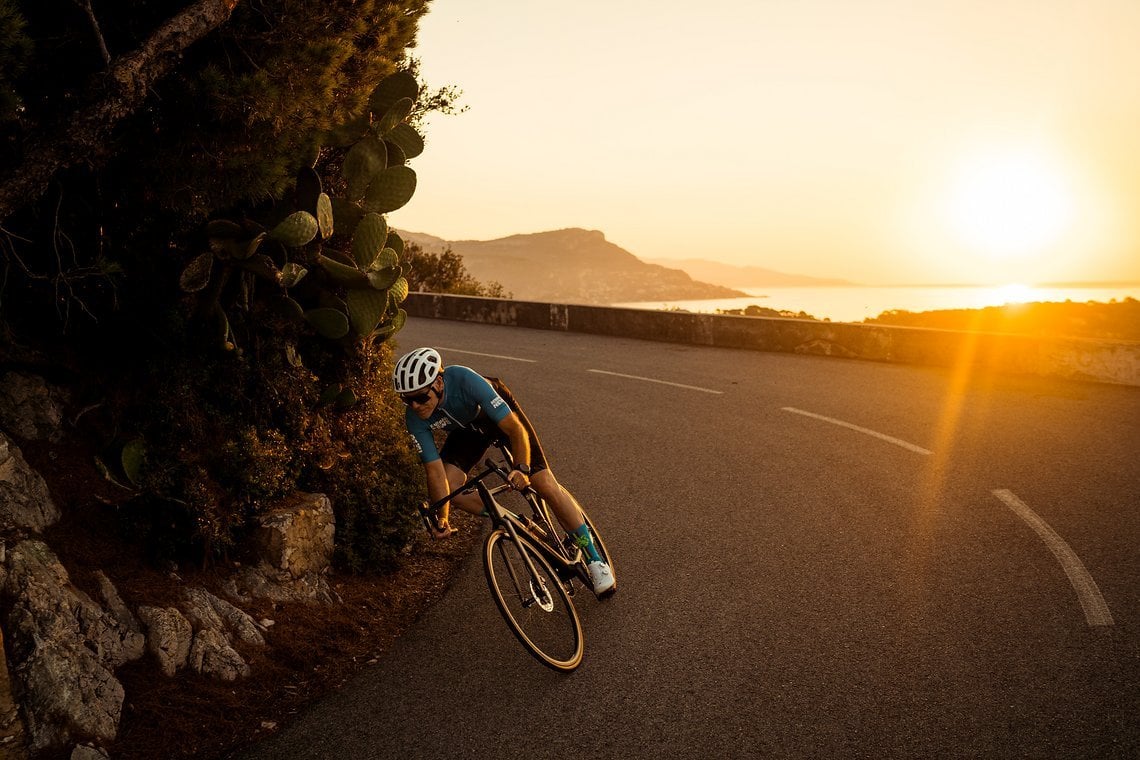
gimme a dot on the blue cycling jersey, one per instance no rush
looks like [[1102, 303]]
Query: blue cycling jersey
[[466, 397]]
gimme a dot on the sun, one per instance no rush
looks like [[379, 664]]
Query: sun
[[1011, 204]]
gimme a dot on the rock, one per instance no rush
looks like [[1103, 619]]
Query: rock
[[115, 604], [263, 583], [208, 611], [63, 648], [46, 608], [69, 695], [240, 623], [85, 752], [24, 499], [297, 537], [211, 655], [294, 546], [13, 734], [29, 408], [168, 636], [199, 611]]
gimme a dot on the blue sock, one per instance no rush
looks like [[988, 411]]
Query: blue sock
[[585, 542]]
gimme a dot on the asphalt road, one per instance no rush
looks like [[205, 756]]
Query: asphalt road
[[816, 558]]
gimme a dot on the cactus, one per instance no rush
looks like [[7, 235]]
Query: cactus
[[384, 278], [390, 189], [292, 274], [300, 269], [343, 274], [223, 229], [397, 113], [325, 216], [331, 323], [387, 258], [392, 89], [407, 139], [366, 308], [296, 230], [399, 290], [396, 243], [196, 276], [133, 459], [308, 189], [368, 240], [364, 161]]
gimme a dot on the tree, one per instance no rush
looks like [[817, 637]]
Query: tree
[[124, 89], [183, 113], [444, 272], [225, 120]]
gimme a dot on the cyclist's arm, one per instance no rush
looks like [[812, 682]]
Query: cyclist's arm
[[520, 446], [437, 487]]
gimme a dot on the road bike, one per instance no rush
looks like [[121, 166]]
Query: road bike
[[532, 566]]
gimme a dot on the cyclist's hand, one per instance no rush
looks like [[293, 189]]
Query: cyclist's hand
[[436, 527], [518, 480]]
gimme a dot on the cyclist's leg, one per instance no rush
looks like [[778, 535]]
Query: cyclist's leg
[[468, 502], [561, 501], [461, 451]]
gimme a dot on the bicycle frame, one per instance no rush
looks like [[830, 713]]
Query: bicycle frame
[[538, 533]]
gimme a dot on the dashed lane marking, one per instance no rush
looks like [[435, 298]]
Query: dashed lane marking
[[866, 431], [493, 356], [653, 380], [1096, 610]]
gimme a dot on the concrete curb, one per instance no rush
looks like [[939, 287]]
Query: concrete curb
[[1072, 359]]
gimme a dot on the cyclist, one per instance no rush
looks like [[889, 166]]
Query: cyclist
[[474, 411]]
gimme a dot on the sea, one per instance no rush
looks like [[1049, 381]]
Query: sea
[[842, 303]]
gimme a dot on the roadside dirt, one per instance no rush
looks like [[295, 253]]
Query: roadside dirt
[[311, 649]]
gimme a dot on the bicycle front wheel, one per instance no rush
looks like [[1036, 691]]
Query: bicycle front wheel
[[535, 605]]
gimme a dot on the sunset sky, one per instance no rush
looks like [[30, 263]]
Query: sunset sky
[[880, 141]]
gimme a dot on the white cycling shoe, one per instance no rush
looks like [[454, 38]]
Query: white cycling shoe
[[601, 578]]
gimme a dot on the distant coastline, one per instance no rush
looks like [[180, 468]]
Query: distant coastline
[[1114, 321], [735, 276], [864, 303]]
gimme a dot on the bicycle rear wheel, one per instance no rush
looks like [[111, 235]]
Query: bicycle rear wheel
[[536, 607], [599, 542]]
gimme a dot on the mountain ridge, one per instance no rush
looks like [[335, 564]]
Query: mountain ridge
[[572, 265]]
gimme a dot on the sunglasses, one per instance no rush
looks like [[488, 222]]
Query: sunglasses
[[419, 398]]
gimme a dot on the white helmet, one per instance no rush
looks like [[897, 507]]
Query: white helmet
[[416, 370]]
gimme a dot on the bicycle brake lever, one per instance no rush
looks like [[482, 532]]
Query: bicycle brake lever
[[429, 518]]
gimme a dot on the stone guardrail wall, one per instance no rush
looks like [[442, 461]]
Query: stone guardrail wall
[[1089, 360]]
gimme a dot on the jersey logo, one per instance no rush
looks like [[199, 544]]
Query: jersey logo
[[416, 445], [440, 424], [497, 402]]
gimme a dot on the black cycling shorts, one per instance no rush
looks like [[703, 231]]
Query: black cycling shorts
[[465, 447]]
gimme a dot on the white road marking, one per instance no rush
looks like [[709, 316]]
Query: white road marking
[[1096, 610], [652, 380], [849, 426], [493, 356]]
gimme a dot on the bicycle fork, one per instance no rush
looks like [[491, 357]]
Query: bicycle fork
[[534, 592], [531, 593]]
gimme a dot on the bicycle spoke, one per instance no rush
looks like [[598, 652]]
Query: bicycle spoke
[[571, 545], [534, 605]]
